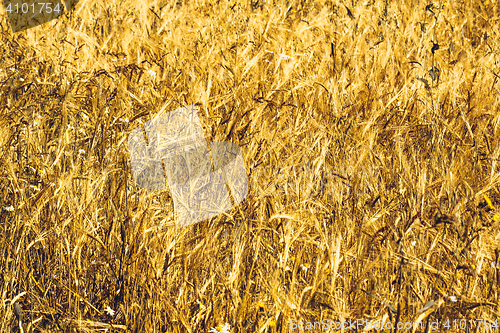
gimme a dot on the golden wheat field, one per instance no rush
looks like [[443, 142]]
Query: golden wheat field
[[370, 134]]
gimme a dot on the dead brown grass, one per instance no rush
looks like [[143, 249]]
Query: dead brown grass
[[367, 166]]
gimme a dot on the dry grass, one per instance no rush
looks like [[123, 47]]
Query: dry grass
[[367, 168]]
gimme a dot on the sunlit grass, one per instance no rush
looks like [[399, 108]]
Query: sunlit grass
[[372, 157]]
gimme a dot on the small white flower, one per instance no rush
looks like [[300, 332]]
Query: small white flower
[[9, 208], [109, 311], [34, 188], [81, 151], [221, 328], [452, 298], [84, 116], [304, 268], [123, 120], [284, 56], [152, 73], [21, 79], [291, 305], [114, 59], [82, 131], [67, 153], [413, 243], [200, 304], [38, 80]]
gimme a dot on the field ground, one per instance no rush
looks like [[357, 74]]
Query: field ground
[[370, 132]]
